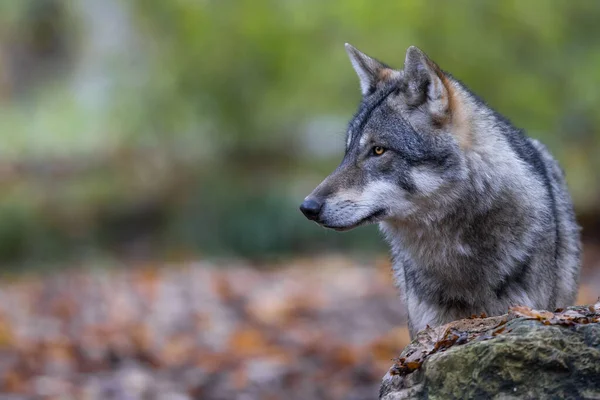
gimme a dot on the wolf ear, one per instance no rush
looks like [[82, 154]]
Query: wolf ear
[[367, 68], [425, 83]]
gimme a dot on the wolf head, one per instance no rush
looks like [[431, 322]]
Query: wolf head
[[404, 147]]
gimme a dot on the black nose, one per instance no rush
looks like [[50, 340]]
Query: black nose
[[311, 209]]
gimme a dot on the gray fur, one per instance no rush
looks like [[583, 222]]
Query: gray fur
[[477, 215]]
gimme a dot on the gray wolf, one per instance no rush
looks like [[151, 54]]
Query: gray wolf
[[477, 215]]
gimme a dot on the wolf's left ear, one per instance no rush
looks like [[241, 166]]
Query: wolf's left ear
[[425, 83], [367, 68]]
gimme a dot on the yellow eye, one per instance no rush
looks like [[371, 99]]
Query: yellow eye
[[378, 150]]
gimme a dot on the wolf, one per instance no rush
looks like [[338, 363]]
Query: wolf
[[477, 214]]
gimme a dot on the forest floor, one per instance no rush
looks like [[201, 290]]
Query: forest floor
[[315, 328]]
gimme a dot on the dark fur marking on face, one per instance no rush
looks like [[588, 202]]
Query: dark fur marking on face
[[407, 184], [366, 110]]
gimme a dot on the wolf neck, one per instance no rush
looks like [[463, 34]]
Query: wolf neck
[[456, 260], [487, 214]]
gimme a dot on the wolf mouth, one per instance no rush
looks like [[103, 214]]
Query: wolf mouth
[[369, 218]]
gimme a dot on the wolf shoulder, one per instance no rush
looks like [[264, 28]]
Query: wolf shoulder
[[568, 230], [557, 180]]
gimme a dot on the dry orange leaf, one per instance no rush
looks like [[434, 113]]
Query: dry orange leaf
[[247, 342]]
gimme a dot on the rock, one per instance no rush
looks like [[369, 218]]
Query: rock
[[525, 354]]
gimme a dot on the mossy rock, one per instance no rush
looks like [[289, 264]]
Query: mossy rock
[[525, 354]]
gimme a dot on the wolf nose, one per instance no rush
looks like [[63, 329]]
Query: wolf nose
[[311, 209]]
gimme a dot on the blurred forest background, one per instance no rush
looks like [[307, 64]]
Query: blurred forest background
[[171, 129], [151, 132]]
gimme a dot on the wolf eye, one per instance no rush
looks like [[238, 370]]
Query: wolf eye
[[378, 150]]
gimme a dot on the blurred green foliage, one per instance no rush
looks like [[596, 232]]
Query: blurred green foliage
[[215, 118]]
